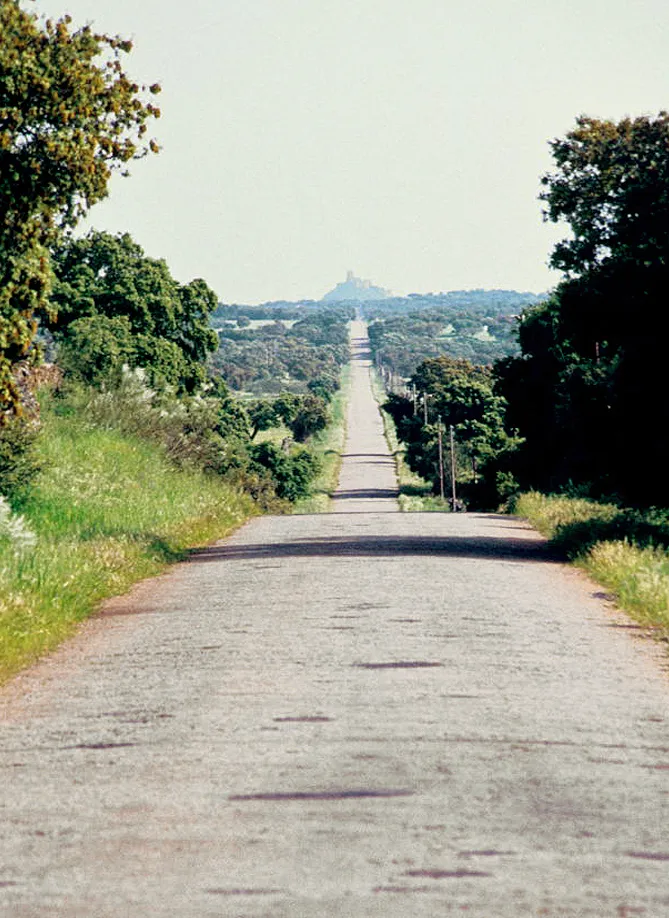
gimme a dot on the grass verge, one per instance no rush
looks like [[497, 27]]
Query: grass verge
[[627, 551], [107, 511], [415, 493], [328, 445]]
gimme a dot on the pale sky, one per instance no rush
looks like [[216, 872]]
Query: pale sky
[[402, 139]]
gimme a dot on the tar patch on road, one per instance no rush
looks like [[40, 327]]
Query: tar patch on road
[[289, 796], [400, 664]]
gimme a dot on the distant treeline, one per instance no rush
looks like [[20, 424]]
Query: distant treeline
[[477, 325], [293, 346]]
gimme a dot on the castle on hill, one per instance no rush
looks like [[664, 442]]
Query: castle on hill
[[355, 290]]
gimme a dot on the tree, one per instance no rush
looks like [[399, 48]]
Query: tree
[[262, 414], [611, 186], [311, 416], [324, 387], [69, 117], [96, 348], [593, 355], [458, 394], [108, 278]]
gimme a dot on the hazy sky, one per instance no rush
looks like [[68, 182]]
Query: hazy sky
[[403, 139]]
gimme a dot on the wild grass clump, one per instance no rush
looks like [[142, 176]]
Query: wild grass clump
[[106, 510], [575, 525], [638, 577], [625, 550], [553, 515], [420, 503]]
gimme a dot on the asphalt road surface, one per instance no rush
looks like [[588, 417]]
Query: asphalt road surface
[[362, 713]]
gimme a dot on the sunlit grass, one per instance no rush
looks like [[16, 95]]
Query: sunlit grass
[[638, 577], [548, 513], [107, 511], [275, 435], [614, 546]]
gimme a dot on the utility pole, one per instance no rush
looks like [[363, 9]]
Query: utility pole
[[453, 467], [425, 413], [441, 460]]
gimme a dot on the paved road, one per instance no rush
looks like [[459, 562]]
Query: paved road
[[367, 481], [357, 714]]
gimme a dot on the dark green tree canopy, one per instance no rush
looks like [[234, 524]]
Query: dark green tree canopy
[[69, 117], [611, 185], [586, 394], [101, 279]]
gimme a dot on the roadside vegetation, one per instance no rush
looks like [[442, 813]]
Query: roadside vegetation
[[106, 510], [627, 551], [569, 429], [328, 445], [138, 416], [415, 493]]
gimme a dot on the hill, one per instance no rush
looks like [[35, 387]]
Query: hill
[[355, 290]]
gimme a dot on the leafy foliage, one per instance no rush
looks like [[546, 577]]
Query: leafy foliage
[[292, 471], [115, 305], [19, 462], [454, 393], [69, 117], [585, 392]]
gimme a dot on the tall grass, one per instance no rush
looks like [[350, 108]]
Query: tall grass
[[107, 510], [627, 551]]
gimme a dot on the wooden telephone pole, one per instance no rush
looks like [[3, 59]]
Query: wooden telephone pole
[[454, 498], [441, 459]]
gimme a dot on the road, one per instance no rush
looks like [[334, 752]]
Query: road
[[364, 713]]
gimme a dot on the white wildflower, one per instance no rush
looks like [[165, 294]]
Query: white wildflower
[[14, 528]]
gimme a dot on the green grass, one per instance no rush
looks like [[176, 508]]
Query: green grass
[[415, 493], [553, 514], [108, 510], [624, 550], [275, 435], [329, 446]]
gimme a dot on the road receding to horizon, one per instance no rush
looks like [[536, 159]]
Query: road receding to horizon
[[367, 480], [362, 713]]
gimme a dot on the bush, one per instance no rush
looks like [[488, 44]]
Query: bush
[[18, 458], [293, 473], [95, 348]]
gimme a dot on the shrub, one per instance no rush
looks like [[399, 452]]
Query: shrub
[[18, 458], [293, 473]]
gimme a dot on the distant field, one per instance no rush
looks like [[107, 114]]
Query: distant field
[[255, 323]]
